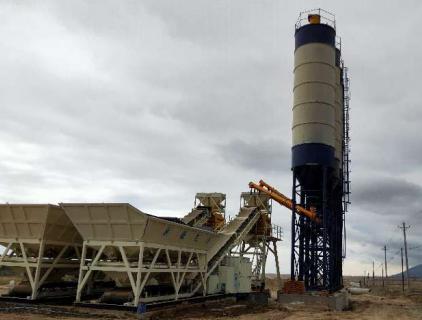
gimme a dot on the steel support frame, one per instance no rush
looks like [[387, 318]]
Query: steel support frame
[[316, 256], [257, 250], [274, 251], [37, 266], [139, 270]]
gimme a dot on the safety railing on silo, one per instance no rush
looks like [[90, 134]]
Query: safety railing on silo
[[326, 17]]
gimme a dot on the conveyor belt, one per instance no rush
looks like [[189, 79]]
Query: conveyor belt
[[197, 217], [231, 235]]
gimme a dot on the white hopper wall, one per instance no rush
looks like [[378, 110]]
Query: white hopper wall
[[123, 222], [165, 232], [36, 222], [106, 221]]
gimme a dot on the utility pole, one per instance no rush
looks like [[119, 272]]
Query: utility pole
[[404, 228], [373, 273], [364, 278], [382, 275], [402, 271], [385, 262]]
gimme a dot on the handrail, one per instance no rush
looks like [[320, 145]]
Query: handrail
[[326, 17]]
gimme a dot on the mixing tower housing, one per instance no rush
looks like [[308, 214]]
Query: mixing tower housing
[[320, 161]]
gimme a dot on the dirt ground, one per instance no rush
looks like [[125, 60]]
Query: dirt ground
[[382, 303]]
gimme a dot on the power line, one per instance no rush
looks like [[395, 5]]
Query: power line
[[392, 256], [415, 247]]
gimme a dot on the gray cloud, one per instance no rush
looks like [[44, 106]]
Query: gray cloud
[[393, 199], [258, 155]]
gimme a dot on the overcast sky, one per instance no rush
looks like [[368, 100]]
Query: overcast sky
[[149, 102]]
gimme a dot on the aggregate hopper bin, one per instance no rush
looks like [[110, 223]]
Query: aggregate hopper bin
[[41, 245], [149, 258]]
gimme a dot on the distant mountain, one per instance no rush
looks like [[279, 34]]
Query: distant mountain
[[415, 271]]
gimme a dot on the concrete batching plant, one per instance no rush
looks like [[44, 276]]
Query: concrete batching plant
[[113, 253]]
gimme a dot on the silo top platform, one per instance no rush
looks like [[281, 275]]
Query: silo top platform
[[36, 222], [123, 222]]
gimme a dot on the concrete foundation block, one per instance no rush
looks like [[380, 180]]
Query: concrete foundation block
[[338, 301]]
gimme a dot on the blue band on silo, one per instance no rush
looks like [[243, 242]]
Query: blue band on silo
[[312, 154], [311, 33]]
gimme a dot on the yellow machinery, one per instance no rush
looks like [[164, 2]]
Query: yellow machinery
[[283, 200], [214, 205]]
